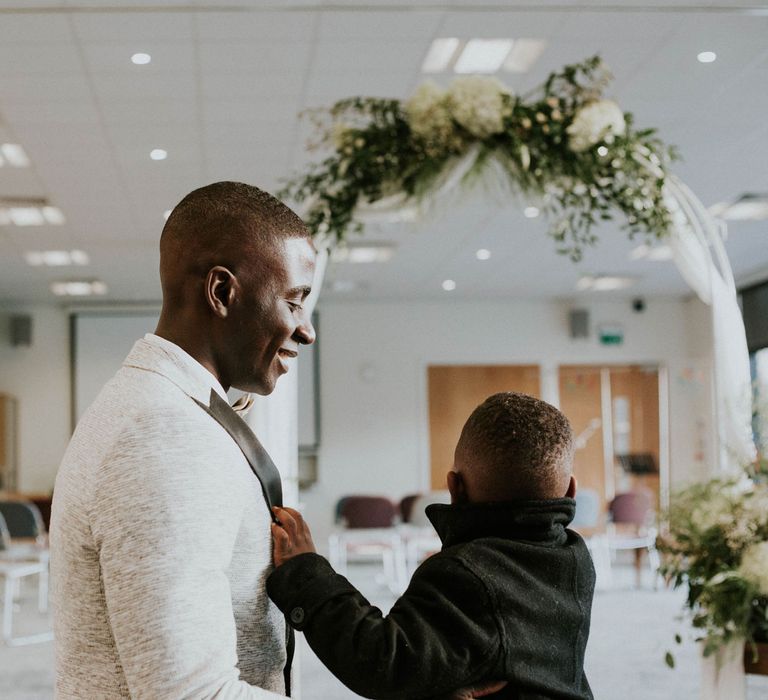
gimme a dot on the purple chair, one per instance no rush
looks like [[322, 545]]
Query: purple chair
[[406, 506], [369, 533], [631, 527], [368, 512]]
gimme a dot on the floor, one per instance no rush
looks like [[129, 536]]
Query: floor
[[632, 628]]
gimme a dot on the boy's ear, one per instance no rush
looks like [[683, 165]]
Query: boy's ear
[[457, 488], [571, 492]]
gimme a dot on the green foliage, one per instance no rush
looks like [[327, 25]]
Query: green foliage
[[714, 543], [374, 149]]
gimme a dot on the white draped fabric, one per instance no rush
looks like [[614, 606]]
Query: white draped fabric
[[699, 253]]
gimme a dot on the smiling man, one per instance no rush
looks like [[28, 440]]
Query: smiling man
[[160, 534]]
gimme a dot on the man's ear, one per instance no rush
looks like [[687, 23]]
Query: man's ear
[[571, 492], [457, 488], [220, 290]]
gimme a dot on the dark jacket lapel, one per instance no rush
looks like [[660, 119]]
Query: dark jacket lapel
[[261, 463]]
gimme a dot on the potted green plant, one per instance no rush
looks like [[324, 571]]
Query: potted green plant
[[714, 541]]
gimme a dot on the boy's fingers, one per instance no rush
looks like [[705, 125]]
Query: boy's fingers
[[279, 535], [286, 520]]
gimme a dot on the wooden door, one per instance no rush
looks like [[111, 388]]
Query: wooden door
[[620, 399], [635, 419], [454, 391]]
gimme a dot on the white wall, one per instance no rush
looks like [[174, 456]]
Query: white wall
[[373, 359], [373, 382], [38, 376]]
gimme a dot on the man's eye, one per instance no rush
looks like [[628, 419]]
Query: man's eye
[[294, 306]]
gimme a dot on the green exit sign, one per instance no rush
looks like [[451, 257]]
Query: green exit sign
[[611, 334]]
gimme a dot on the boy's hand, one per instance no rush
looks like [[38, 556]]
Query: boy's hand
[[291, 537]]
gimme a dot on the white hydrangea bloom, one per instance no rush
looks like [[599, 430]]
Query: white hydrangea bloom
[[427, 110], [754, 566], [477, 103], [601, 120], [716, 511]]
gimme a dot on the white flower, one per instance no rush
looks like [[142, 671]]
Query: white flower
[[601, 120], [428, 114], [477, 103], [754, 566]]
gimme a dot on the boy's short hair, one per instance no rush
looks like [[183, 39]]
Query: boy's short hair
[[517, 447]]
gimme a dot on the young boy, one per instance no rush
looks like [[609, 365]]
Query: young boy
[[507, 599]]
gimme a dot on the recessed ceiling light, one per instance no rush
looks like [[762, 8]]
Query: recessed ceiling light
[[524, 53], [707, 57], [56, 258], [141, 59], [449, 285], [483, 55], [364, 253], [440, 55], [14, 155], [158, 154], [483, 254], [79, 288], [531, 212], [604, 283]]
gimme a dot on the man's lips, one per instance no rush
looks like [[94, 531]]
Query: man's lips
[[283, 355]]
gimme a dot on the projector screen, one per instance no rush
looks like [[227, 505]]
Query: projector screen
[[100, 343]]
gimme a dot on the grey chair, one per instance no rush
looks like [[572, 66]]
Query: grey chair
[[13, 568], [23, 520], [28, 540]]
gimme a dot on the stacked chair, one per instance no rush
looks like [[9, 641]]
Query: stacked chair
[[368, 531], [23, 553]]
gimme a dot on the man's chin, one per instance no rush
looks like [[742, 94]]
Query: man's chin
[[262, 387]]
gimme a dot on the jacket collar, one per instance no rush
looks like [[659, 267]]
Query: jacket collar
[[155, 354], [543, 522]]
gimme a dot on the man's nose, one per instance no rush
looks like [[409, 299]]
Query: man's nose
[[305, 332]]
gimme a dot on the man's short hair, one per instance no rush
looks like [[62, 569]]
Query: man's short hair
[[518, 446], [222, 223]]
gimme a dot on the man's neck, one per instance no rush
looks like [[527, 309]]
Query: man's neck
[[192, 345]]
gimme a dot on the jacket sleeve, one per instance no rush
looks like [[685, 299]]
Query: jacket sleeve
[[164, 548], [441, 634]]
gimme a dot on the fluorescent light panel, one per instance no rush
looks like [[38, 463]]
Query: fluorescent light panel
[[656, 253], [440, 55], [31, 215], [524, 53], [368, 253], [604, 283], [748, 207], [14, 155], [483, 55], [79, 288], [56, 258]]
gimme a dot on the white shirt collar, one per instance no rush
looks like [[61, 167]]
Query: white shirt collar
[[188, 362]]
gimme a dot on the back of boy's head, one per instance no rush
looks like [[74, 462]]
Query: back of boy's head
[[515, 446]]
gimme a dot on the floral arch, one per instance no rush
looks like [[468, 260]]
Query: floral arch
[[563, 144]]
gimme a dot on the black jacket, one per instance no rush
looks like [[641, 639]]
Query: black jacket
[[508, 598]]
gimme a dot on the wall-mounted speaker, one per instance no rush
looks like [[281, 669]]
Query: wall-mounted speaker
[[578, 322], [21, 330]]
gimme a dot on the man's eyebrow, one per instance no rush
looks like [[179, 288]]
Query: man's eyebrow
[[302, 291]]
